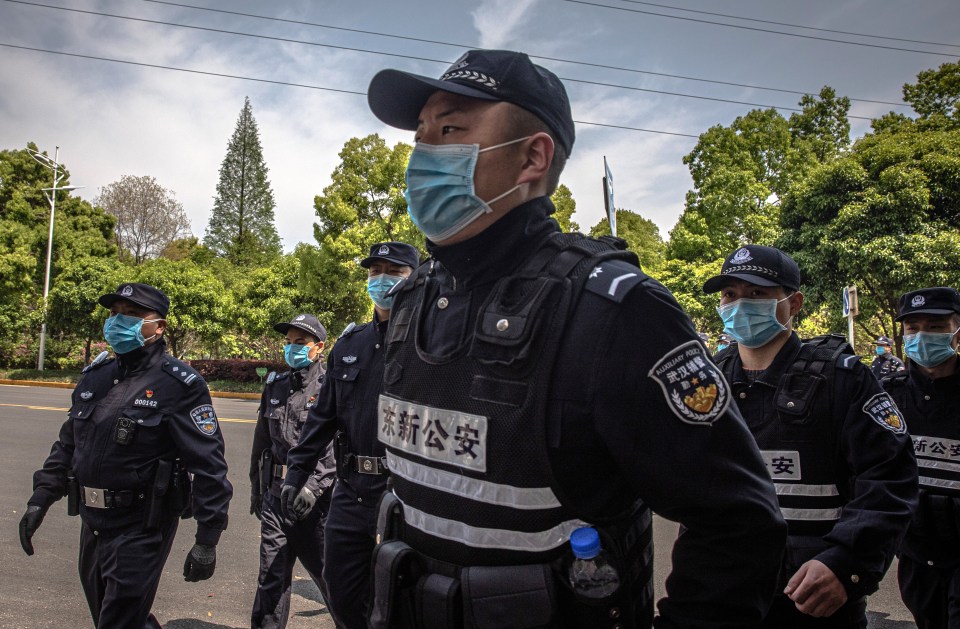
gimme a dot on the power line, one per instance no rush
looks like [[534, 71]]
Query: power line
[[557, 59], [287, 84], [377, 52], [761, 30], [811, 28]]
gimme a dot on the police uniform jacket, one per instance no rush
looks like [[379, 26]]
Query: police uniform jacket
[[286, 400], [126, 415], [347, 401], [932, 409], [845, 473], [885, 365], [621, 424]]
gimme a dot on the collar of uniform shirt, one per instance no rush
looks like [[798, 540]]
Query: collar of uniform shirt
[[141, 357]]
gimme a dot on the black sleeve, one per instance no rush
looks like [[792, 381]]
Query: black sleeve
[[261, 442], [50, 481], [315, 437]]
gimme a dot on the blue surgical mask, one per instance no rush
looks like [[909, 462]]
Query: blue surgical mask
[[297, 356], [880, 351], [440, 196], [379, 285], [929, 349], [124, 333], [752, 322]]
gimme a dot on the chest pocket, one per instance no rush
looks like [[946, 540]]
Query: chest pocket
[[347, 378], [80, 415], [140, 428]]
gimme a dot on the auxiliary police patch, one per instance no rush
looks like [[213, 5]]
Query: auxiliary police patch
[[695, 389], [882, 409], [205, 419]]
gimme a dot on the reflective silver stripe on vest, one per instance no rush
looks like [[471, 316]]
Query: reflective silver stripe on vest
[[473, 488], [938, 465], [478, 537], [795, 489], [939, 482], [810, 515]]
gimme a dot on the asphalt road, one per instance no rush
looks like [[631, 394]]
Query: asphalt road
[[43, 591]]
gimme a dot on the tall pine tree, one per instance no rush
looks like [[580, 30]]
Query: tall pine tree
[[241, 227]]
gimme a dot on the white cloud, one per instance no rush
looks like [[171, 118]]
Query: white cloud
[[498, 20]]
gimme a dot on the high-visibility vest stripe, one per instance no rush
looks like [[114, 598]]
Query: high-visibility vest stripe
[[797, 489], [810, 515]]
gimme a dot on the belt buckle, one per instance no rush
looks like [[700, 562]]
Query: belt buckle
[[95, 497], [368, 464]]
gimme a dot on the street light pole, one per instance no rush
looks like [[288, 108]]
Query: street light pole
[[51, 194]]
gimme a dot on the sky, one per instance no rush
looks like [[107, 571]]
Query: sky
[[644, 79]]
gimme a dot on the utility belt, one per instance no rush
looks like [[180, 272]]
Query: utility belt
[[414, 591], [349, 462], [96, 498]]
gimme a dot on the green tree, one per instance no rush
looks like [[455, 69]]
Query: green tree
[[823, 125], [242, 226], [363, 205], [642, 236], [936, 94], [566, 205], [74, 310]]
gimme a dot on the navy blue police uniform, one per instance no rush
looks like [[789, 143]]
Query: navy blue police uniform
[[885, 364], [929, 566], [347, 409], [286, 400], [137, 426]]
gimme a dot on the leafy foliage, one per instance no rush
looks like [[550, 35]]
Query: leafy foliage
[[642, 236]]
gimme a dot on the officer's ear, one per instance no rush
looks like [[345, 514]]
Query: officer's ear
[[796, 303], [315, 350]]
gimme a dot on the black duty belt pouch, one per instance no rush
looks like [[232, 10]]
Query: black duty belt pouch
[[395, 573], [437, 602], [161, 483], [514, 597]]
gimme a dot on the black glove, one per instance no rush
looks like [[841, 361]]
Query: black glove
[[256, 503], [288, 496], [303, 503], [200, 563], [29, 524]]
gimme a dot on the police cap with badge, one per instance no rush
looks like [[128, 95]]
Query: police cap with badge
[[306, 322], [937, 300], [143, 295], [757, 264], [884, 341], [394, 252]]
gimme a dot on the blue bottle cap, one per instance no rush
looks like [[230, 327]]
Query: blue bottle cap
[[585, 542]]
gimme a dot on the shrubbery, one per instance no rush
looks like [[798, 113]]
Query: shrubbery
[[235, 369]]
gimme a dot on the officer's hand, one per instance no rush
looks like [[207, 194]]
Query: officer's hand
[[200, 563], [288, 496], [303, 504], [816, 590], [256, 503], [29, 524]]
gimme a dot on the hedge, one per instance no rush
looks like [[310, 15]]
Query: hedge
[[235, 369]]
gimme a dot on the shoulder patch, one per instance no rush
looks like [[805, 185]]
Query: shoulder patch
[[847, 361], [181, 371], [347, 330], [101, 359], [693, 386], [882, 409], [205, 419], [613, 279]]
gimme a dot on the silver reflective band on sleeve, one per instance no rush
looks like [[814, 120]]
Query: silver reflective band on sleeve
[[473, 488], [939, 482], [817, 515], [477, 537], [938, 465], [796, 489]]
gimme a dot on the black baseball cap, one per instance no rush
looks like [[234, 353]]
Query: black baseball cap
[[141, 294], [763, 266], [307, 323], [884, 341], [937, 300], [396, 97], [395, 252]]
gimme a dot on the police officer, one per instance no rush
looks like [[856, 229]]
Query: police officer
[[348, 403], [834, 443], [284, 405], [928, 393], [885, 363], [521, 401], [138, 424]]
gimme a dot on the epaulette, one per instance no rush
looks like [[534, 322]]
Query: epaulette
[[613, 279], [101, 359], [898, 378], [847, 361], [271, 377], [350, 329], [180, 370]]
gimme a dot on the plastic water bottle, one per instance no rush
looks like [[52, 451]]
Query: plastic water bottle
[[591, 574]]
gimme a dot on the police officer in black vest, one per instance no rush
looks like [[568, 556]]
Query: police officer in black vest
[[834, 443], [287, 399], [885, 363], [928, 393], [522, 400], [137, 427], [347, 402]]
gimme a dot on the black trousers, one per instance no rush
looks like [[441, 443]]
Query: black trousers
[[350, 535], [931, 593], [120, 572], [281, 544], [785, 615]]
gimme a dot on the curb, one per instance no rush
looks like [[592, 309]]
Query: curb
[[70, 385]]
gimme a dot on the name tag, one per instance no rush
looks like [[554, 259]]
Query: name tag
[[782, 464], [437, 434]]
